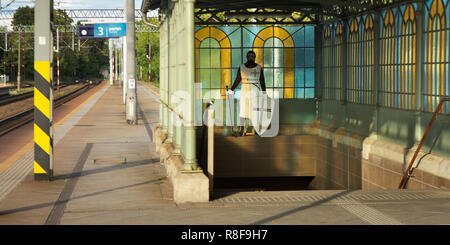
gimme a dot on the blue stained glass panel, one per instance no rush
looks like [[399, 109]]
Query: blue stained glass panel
[[309, 93], [309, 57], [299, 93], [299, 77], [447, 43], [236, 57], [309, 77], [235, 39], [447, 10], [299, 38], [309, 36], [299, 57], [254, 29], [248, 38], [292, 29], [229, 29]]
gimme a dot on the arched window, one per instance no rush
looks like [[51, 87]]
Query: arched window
[[213, 61], [327, 66], [338, 79], [273, 60], [387, 60], [281, 42], [408, 58], [436, 63], [368, 60], [209, 68], [353, 62]]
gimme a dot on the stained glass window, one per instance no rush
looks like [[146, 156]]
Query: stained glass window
[[368, 61], [397, 60], [332, 61], [354, 63], [437, 54], [286, 54]]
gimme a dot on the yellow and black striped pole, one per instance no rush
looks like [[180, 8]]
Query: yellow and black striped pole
[[43, 99]]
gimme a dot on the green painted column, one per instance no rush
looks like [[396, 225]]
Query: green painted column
[[190, 161], [170, 77], [162, 31], [161, 58], [178, 82], [420, 49], [164, 67]]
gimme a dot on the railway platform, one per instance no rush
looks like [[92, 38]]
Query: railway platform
[[107, 172]]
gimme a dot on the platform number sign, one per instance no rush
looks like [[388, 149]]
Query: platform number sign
[[100, 31], [103, 30]]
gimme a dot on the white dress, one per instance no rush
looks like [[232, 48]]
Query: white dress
[[249, 89]]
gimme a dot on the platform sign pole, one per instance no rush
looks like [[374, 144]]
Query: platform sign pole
[[131, 96], [115, 62], [43, 98], [111, 61]]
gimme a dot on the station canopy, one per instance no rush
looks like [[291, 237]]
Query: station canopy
[[220, 12]]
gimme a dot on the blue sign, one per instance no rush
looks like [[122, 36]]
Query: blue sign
[[110, 30]]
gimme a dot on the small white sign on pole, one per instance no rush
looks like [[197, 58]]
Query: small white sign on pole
[[131, 83]]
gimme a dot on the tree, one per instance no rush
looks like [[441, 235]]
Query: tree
[[23, 16], [142, 39], [74, 64]]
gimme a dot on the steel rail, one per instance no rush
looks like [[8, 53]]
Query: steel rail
[[10, 123], [5, 100]]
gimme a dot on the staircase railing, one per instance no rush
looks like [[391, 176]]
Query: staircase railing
[[408, 171]]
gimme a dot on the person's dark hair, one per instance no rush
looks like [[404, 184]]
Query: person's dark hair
[[251, 52]]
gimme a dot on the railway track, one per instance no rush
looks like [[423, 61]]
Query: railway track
[[10, 123], [5, 99]]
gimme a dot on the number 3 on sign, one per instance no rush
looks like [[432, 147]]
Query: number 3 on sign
[[100, 31]]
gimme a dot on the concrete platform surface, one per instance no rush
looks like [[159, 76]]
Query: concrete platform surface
[[107, 172]]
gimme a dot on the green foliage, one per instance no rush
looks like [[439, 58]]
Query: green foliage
[[142, 62], [83, 63], [23, 16]]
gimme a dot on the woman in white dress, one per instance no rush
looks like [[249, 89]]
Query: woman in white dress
[[252, 77]]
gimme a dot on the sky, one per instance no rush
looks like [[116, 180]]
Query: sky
[[72, 4]]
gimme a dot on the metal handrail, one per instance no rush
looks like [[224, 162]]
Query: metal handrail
[[408, 171]]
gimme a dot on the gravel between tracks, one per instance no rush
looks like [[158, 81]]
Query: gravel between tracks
[[23, 105]]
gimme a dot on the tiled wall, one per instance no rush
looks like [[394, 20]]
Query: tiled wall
[[338, 160]]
